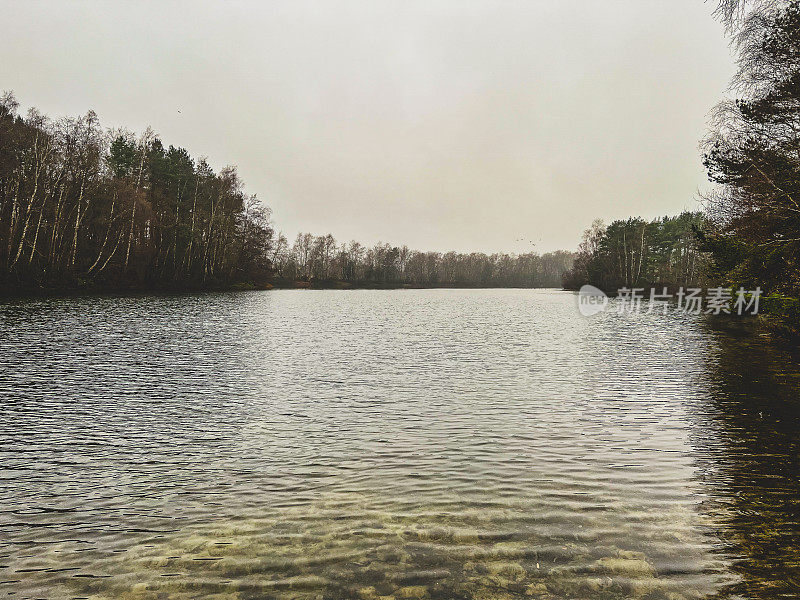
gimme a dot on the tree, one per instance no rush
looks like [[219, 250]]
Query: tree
[[753, 153], [637, 253], [80, 206]]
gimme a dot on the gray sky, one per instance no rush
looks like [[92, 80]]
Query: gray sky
[[443, 125]]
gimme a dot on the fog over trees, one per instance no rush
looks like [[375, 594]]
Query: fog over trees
[[321, 258]]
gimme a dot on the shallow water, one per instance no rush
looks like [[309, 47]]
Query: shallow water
[[399, 444]]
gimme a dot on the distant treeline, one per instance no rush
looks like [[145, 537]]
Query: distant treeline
[[638, 253], [80, 205], [321, 259]]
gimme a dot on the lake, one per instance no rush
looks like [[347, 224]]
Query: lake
[[475, 444]]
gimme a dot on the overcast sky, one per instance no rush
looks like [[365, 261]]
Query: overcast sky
[[441, 125]]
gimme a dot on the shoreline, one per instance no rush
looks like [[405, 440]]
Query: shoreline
[[65, 292]]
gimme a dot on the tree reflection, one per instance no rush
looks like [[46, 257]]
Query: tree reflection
[[748, 441]]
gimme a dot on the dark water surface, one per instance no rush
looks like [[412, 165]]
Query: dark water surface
[[481, 444]]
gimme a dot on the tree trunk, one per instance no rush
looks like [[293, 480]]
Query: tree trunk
[[105, 239], [78, 220]]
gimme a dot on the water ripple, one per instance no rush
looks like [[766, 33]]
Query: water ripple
[[390, 444]]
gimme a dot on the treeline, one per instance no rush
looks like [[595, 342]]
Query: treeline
[[85, 207], [80, 205], [749, 233], [645, 254], [753, 152], [321, 259]]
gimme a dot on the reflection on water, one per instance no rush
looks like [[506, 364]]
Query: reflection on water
[[482, 444], [748, 449]]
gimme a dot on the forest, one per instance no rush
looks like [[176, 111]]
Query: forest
[[748, 233], [638, 253], [322, 260], [752, 153], [82, 207], [87, 207]]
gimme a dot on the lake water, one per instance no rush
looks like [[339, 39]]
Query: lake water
[[475, 444]]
